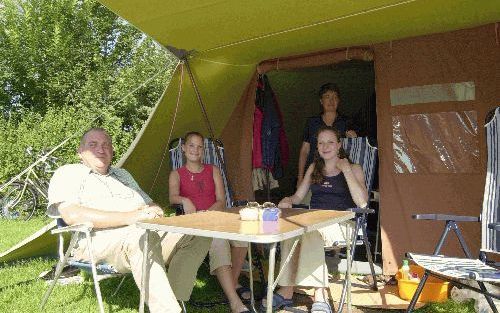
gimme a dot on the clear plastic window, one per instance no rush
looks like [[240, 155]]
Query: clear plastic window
[[443, 142]]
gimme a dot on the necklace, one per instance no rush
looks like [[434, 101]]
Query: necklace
[[193, 173]]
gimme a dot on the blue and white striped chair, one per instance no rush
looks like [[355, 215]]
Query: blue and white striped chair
[[468, 268], [360, 151]]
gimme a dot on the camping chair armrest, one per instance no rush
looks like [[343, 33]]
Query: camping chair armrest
[[239, 203], [179, 208], [365, 210], [84, 227], [495, 226], [446, 217]]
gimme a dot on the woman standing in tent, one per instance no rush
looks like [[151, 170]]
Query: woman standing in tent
[[329, 97], [336, 185], [199, 187]]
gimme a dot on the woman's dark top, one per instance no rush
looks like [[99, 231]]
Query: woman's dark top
[[310, 131], [332, 194]]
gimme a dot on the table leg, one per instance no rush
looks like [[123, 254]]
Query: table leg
[[252, 296], [348, 270], [144, 272], [270, 278]]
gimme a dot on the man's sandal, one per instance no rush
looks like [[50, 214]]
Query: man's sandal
[[321, 307], [241, 291], [279, 302]]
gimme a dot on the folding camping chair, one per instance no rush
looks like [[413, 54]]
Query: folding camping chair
[[210, 156], [360, 152], [66, 259], [478, 270]]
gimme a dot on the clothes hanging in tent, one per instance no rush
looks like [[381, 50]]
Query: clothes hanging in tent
[[260, 180], [272, 153]]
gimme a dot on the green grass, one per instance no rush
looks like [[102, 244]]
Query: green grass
[[13, 231], [21, 290], [449, 306]]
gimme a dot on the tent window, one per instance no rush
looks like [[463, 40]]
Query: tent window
[[464, 91], [444, 142]]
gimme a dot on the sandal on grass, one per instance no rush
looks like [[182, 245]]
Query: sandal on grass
[[279, 302], [321, 307]]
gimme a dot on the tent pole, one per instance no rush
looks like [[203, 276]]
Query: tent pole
[[200, 101]]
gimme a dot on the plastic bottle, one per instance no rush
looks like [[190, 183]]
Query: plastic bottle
[[405, 270]]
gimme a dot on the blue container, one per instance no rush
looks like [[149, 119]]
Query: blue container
[[271, 214]]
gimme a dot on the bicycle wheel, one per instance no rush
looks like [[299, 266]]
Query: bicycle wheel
[[15, 203]]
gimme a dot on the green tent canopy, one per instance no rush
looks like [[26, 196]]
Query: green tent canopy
[[247, 32], [228, 39]]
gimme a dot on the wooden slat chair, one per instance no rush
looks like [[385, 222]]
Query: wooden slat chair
[[210, 157], [476, 270], [65, 258]]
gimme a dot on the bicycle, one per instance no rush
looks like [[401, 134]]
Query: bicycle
[[20, 196]]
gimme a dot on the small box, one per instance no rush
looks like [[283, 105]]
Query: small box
[[435, 289]]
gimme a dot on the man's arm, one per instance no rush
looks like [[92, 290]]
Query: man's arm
[[77, 214]]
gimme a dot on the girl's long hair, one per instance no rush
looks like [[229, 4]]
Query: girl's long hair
[[317, 176]]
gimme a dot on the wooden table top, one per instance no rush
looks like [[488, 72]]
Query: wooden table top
[[227, 224]]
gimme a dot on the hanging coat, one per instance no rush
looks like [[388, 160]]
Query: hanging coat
[[274, 145]]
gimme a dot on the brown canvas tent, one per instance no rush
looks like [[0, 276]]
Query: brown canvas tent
[[436, 74]]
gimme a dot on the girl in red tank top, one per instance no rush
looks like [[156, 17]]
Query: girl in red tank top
[[198, 187]]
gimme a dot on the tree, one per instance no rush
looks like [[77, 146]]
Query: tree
[[71, 61]]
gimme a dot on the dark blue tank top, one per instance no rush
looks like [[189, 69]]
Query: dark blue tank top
[[332, 194]]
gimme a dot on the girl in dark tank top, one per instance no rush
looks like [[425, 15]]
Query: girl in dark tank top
[[335, 184], [333, 194]]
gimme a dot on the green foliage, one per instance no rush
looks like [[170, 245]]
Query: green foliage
[[66, 65], [58, 53], [42, 132]]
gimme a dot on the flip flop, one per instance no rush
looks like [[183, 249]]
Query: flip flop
[[279, 302], [242, 290], [321, 307], [245, 311]]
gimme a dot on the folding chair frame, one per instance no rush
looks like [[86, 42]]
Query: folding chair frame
[[488, 220], [361, 221], [360, 224], [452, 225], [63, 260]]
